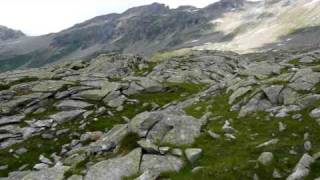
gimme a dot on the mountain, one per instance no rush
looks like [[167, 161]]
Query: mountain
[[9, 34], [182, 111], [237, 25]]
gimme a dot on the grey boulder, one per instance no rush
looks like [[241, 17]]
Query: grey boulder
[[117, 168]]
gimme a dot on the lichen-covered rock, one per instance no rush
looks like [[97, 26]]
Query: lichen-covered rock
[[68, 105], [97, 94], [193, 154], [54, 173], [49, 86], [11, 119], [273, 93], [158, 163], [302, 169], [116, 168], [265, 158], [315, 113], [160, 126], [65, 116], [238, 93]]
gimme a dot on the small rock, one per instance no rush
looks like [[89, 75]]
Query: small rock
[[296, 116], [193, 154], [47, 136], [282, 127], [265, 158], [213, 134], [315, 113], [148, 146], [177, 152], [307, 145], [227, 128], [21, 151], [305, 136], [164, 150], [148, 175], [40, 166], [268, 143], [62, 131], [276, 174], [75, 177], [45, 160], [101, 110], [196, 169], [230, 136], [4, 167], [302, 169]]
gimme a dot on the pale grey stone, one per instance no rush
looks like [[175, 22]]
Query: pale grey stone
[[193, 154], [159, 163], [116, 168], [266, 158]]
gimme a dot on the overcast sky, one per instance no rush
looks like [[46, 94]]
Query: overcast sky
[[36, 17]]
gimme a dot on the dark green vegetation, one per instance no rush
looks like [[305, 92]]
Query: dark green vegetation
[[35, 59], [235, 159]]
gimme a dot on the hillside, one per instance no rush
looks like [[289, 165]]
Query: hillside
[[179, 115], [235, 25], [229, 92]]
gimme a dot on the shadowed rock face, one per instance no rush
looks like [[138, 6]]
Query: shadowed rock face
[[9, 34]]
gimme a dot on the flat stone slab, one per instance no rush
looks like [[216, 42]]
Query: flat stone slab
[[67, 105], [11, 119], [50, 86], [163, 127], [65, 116], [158, 163], [55, 173], [116, 168]]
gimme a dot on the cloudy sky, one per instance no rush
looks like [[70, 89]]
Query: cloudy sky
[[36, 17]]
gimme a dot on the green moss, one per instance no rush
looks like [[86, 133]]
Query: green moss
[[294, 62]]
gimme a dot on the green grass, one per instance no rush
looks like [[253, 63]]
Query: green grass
[[223, 159], [174, 92]]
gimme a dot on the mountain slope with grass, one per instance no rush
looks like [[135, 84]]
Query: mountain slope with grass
[[228, 25], [179, 115]]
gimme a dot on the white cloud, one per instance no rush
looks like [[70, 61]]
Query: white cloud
[[36, 17]]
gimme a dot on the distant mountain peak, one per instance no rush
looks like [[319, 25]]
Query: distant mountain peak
[[8, 34]]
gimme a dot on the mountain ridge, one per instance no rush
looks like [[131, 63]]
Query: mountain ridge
[[145, 30]]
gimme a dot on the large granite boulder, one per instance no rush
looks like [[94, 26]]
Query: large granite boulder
[[159, 163], [54, 173], [116, 168], [163, 127], [65, 116], [68, 105]]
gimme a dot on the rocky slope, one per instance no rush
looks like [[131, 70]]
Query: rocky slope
[[237, 25], [9, 34], [180, 115]]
